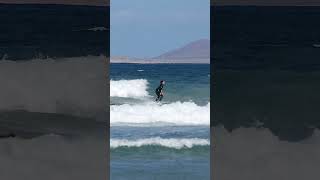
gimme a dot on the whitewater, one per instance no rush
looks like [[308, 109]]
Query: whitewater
[[136, 88], [157, 141], [150, 112], [156, 137]]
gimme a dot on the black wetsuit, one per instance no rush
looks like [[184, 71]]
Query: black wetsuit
[[158, 92]]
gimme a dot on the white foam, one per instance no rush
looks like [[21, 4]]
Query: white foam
[[316, 45], [98, 29], [61, 158], [176, 143], [255, 153], [129, 88], [95, 29], [177, 113], [64, 85]]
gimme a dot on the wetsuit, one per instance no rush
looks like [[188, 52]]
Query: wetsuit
[[158, 92]]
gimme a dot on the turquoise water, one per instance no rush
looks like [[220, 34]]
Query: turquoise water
[[184, 82], [160, 141]]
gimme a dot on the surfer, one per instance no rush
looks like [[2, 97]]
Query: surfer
[[159, 91]]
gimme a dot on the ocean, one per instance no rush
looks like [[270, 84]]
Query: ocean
[[167, 140], [53, 31], [265, 99], [265, 122], [53, 97]]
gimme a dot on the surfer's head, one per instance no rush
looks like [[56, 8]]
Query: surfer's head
[[162, 82]]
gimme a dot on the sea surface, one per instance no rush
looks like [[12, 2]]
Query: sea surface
[[53, 31], [265, 92], [268, 63], [53, 97], [167, 140]]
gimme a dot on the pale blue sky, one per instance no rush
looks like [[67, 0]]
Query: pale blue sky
[[148, 28]]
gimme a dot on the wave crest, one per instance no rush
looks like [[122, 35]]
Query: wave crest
[[74, 86], [129, 88], [247, 150], [177, 113], [176, 143]]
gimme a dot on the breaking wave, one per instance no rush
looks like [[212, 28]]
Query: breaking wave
[[176, 113], [66, 85], [256, 153], [98, 29], [176, 143], [54, 155], [129, 88]]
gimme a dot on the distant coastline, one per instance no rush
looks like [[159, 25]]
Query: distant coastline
[[160, 61], [195, 52]]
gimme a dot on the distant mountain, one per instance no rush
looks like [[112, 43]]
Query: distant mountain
[[199, 49], [194, 52]]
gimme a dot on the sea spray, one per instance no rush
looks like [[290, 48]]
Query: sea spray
[[176, 113], [129, 88], [176, 143]]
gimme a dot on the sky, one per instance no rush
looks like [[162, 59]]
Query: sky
[[148, 28]]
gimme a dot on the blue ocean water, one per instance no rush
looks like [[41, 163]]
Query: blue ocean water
[[265, 119], [45, 49], [53, 95], [184, 82], [168, 140], [53, 31], [267, 69]]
